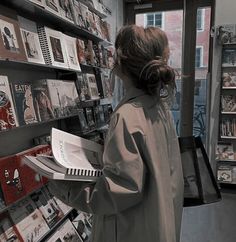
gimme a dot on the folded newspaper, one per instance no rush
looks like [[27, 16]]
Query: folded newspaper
[[73, 158]]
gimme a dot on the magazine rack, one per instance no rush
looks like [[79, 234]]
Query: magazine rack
[[20, 138], [225, 150]]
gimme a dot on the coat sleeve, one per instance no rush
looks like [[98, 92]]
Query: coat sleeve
[[121, 185]]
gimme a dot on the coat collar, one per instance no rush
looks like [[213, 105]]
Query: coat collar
[[131, 93]]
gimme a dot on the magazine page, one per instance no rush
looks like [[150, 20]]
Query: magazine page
[[71, 150], [31, 40]]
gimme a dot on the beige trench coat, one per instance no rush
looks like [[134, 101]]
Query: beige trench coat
[[140, 196]]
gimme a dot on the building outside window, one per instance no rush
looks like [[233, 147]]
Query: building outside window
[[200, 19], [199, 57], [154, 19]]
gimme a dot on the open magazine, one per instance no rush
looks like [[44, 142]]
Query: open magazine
[[73, 158]]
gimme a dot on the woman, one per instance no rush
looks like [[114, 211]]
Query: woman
[[139, 197]]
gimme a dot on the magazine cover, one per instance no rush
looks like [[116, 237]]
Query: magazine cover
[[106, 83], [227, 34], [11, 179], [66, 232], [31, 42], [92, 86], [8, 118], [66, 10], [80, 46], [52, 6], [83, 125], [89, 52], [56, 48], [84, 12], [228, 103], [106, 30], [11, 45], [228, 127], [70, 98], [229, 80], [79, 20], [49, 212], [91, 23], [28, 220], [56, 92], [229, 57], [42, 101], [8, 232], [38, 2], [97, 21], [98, 54], [65, 209], [83, 88], [225, 174], [83, 225], [23, 99], [90, 117], [71, 53], [224, 152]]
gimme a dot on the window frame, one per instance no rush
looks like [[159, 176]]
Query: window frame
[[200, 47]]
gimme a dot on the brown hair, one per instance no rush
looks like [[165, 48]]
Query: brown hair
[[142, 54]]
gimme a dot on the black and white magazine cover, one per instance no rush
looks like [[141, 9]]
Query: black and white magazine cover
[[78, 17], [30, 39], [227, 34], [228, 103], [229, 80], [92, 85], [56, 92], [229, 57], [70, 97]]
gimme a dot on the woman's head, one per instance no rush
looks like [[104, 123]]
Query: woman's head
[[142, 55]]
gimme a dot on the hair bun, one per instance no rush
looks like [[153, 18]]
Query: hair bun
[[155, 75]]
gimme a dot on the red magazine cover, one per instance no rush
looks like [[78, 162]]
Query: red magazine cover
[[11, 176], [8, 231], [31, 180]]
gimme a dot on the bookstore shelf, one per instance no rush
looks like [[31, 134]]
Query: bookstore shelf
[[233, 113], [39, 123], [15, 63], [34, 11], [228, 137]]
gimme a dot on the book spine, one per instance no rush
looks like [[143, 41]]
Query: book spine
[[44, 45], [83, 172]]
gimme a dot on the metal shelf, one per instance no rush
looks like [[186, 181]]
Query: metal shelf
[[33, 11]]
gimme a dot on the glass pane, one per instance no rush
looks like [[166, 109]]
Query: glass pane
[[171, 23], [201, 70]]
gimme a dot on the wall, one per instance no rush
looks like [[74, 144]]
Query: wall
[[214, 222]]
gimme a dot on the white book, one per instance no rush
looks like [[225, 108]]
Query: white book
[[74, 158], [30, 39], [92, 86], [71, 52], [53, 47]]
